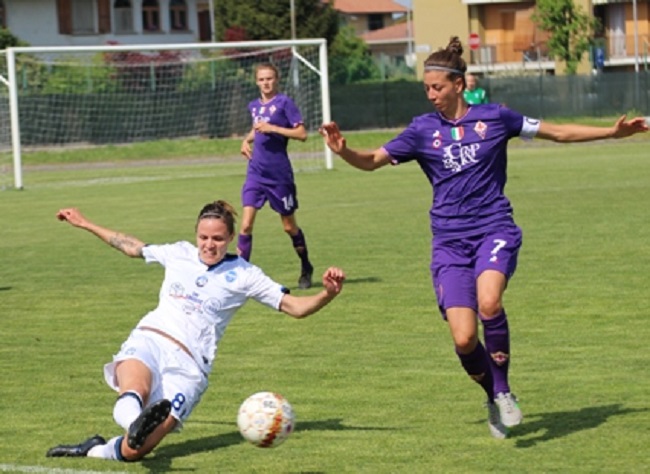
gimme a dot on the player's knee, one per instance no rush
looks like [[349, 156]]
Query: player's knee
[[489, 307], [465, 343], [291, 230]]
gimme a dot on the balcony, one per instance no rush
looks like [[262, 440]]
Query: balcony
[[618, 52]]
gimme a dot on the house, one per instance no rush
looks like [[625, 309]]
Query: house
[[384, 25], [504, 37], [97, 22], [394, 41]]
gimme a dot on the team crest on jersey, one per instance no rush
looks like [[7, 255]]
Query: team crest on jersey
[[437, 142], [272, 109], [201, 281], [481, 129], [457, 133], [231, 276]]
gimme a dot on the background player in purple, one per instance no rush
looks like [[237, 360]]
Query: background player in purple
[[461, 148], [276, 119]]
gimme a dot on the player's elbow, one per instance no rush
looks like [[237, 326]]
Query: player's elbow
[[297, 313], [560, 137], [377, 161], [291, 306], [301, 133]]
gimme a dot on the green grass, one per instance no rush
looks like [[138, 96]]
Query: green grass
[[372, 378], [225, 147]]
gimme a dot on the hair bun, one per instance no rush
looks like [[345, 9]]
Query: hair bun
[[455, 46]]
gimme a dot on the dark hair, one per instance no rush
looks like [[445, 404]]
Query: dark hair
[[270, 66], [219, 210], [448, 59]]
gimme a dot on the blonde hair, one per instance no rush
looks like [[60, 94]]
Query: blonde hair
[[270, 66]]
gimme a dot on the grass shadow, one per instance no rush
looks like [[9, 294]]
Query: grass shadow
[[163, 455], [559, 424]]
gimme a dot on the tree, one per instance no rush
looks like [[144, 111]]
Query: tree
[[570, 27], [271, 20], [350, 60], [8, 40]]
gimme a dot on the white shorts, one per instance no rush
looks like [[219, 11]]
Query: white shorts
[[175, 375]]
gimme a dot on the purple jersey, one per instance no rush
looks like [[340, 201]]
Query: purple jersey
[[270, 161], [465, 161]]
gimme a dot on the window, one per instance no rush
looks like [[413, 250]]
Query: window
[[178, 15], [3, 15], [375, 21], [83, 17], [150, 15], [123, 13]]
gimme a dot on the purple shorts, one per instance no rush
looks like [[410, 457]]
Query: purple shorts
[[456, 264], [282, 198]]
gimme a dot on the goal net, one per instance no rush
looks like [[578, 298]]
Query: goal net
[[121, 95], [5, 127]]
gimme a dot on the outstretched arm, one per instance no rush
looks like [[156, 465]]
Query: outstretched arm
[[568, 133], [303, 306], [126, 244], [366, 161]]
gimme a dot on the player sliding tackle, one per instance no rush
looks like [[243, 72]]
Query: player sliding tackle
[[462, 150], [162, 369]]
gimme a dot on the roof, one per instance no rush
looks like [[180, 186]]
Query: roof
[[395, 33], [361, 7]]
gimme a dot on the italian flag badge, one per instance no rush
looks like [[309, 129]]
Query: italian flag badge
[[457, 133]]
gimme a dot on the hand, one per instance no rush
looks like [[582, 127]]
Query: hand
[[624, 129], [333, 138], [333, 279], [73, 216], [264, 127], [246, 149]]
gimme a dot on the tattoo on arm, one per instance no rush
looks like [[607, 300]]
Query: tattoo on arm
[[126, 244]]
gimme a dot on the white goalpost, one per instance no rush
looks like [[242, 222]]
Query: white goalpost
[[87, 96]]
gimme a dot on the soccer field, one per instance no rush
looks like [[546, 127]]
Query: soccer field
[[373, 378]]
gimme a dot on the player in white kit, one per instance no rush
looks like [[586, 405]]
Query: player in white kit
[[162, 369]]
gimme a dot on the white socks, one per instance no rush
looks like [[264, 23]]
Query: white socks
[[109, 450], [127, 408]]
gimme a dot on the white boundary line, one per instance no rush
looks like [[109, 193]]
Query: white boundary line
[[50, 470]]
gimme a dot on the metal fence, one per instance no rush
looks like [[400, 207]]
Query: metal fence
[[394, 104], [597, 95]]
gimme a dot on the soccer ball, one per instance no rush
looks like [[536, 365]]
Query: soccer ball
[[265, 419]]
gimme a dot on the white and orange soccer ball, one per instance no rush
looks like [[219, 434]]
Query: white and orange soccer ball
[[265, 419]]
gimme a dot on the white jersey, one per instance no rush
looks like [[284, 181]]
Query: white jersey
[[197, 301]]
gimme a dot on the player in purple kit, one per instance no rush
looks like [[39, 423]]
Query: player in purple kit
[[276, 119], [462, 149]]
